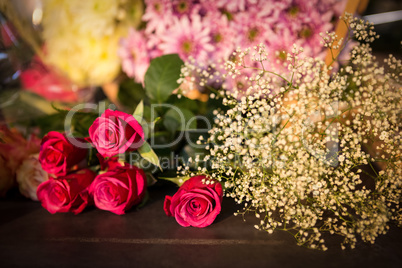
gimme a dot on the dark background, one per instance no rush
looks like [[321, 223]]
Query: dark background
[[390, 33]]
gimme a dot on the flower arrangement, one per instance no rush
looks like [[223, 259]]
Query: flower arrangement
[[295, 150], [308, 147]]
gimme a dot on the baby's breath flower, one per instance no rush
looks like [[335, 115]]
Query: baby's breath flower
[[291, 147]]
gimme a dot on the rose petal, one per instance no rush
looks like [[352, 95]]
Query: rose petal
[[166, 206]]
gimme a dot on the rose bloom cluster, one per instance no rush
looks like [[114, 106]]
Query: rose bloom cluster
[[209, 31], [55, 172], [73, 186]]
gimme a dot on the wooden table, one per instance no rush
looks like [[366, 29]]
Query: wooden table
[[32, 237]]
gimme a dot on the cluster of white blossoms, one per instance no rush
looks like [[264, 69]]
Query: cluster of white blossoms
[[313, 151]]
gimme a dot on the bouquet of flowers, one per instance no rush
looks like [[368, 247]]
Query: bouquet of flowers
[[308, 146]]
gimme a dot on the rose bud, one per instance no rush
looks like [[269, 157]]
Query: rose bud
[[66, 193], [29, 175], [195, 203], [119, 189], [115, 132], [57, 155]]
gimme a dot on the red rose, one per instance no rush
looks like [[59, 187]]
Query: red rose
[[195, 203], [115, 132], [57, 155], [67, 193], [119, 189]]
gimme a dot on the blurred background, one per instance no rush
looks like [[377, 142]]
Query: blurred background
[[386, 14], [391, 32]]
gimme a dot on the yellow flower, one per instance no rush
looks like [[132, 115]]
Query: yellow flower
[[81, 37]]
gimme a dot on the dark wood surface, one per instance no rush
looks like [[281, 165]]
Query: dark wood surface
[[32, 237]]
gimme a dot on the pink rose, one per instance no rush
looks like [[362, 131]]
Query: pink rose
[[29, 175], [115, 132], [195, 203], [66, 193], [57, 155], [119, 189]]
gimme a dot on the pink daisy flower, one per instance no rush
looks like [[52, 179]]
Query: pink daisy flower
[[309, 33], [184, 8], [187, 37], [239, 84], [222, 36], [236, 5], [207, 7], [134, 54], [252, 28], [158, 15], [278, 46]]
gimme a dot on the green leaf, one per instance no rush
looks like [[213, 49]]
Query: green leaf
[[178, 120], [139, 112], [184, 102], [177, 180], [156, 120], [161, 77], [130, 93], [148, 154]]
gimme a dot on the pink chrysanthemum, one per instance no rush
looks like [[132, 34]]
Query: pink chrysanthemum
[[252, 28], [278, 46], [184, 8], [158, 15], [187, 37], [239, 84], [236, 5], [134, 54], [207, 7], [309, 33], [222, 36]]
